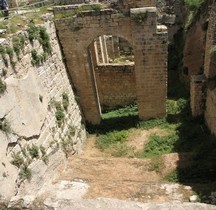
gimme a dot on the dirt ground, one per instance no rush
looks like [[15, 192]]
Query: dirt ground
[[125, 178]]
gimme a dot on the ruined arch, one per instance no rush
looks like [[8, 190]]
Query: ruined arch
[[150, 51]]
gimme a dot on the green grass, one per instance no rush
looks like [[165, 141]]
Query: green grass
[[159, 145], [112, 138]]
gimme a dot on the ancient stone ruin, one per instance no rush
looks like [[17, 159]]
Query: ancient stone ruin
[[136, 22]]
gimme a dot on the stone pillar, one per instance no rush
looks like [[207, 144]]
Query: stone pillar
[[110, 47], [197, 91], [82, 74], [150, 52], [103, 47]]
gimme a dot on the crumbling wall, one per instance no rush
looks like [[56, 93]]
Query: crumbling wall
[[29, 105]]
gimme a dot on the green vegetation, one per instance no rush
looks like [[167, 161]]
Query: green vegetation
[[65, 100], [159, 145], [10, 53], [213, 51], [33, 151], [44, 40], [25, 173], [18, 43], [139, 18], [17, 159], [3, 54], [5, 126], [124, 59], [193, 7], [3, 86], [79, 10], [59, 114], [110, 139], [36, 58]]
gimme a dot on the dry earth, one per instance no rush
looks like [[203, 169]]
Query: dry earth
[[125, 178]]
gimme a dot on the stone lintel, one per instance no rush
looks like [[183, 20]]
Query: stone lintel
[[143, 10]]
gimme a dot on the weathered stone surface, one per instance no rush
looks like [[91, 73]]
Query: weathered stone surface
[[28, 104], [150, 50], [113, 204]]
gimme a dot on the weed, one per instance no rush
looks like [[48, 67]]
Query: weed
[[59, 114], [158, 145], [36, 58], [18, 43], [45, 159], [65, 100], [44, 40], [110, 139], [140, 18], [10, 52], [25, 173], [213, 51], [3, 86], [33, 151], [32, 31], [3, 54], [17, 160], [5, 126]]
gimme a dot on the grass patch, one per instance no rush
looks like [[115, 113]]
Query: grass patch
[[213, 51], [159, 145], [110, 139]]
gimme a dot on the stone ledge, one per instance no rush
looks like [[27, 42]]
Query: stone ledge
[[143, 10]]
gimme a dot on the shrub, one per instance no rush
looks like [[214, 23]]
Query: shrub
[[44, 40], [3, 86], [36, 58], [32, 31], [18, 43]]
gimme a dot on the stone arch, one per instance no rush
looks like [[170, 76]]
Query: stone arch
[[150, 50], [115, 81]]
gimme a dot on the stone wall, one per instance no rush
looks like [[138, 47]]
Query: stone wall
[[197, 91], [116, 85], [150, 51], [210, 72], [29, 105]]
